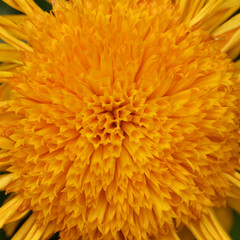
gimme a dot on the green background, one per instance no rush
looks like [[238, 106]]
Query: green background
[[5, 9]]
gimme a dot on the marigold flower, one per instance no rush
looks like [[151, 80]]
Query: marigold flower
[[119, 118]]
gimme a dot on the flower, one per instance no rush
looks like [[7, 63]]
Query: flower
[[119, 119]]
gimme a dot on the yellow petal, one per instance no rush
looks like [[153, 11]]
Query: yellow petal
[[225, 217], [5, 179], [4, 93], [234, 178], [25, 228], [229, 36], [171, 236], [189, 8], [49, 231], [9, 54], [206, 11], [208, 228], [27, 6], [5, 143], [16, 18], [12, 27], [10, 39], [220, 15], [9, 209], [10, 228], [9, 67]]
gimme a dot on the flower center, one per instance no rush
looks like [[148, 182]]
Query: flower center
[[108, 119]]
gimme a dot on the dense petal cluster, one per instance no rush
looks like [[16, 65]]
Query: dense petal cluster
[[125, 120]]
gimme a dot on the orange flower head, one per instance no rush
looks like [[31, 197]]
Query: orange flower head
[[124, 122]]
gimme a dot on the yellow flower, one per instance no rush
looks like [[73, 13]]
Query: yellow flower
[[123, 118]]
